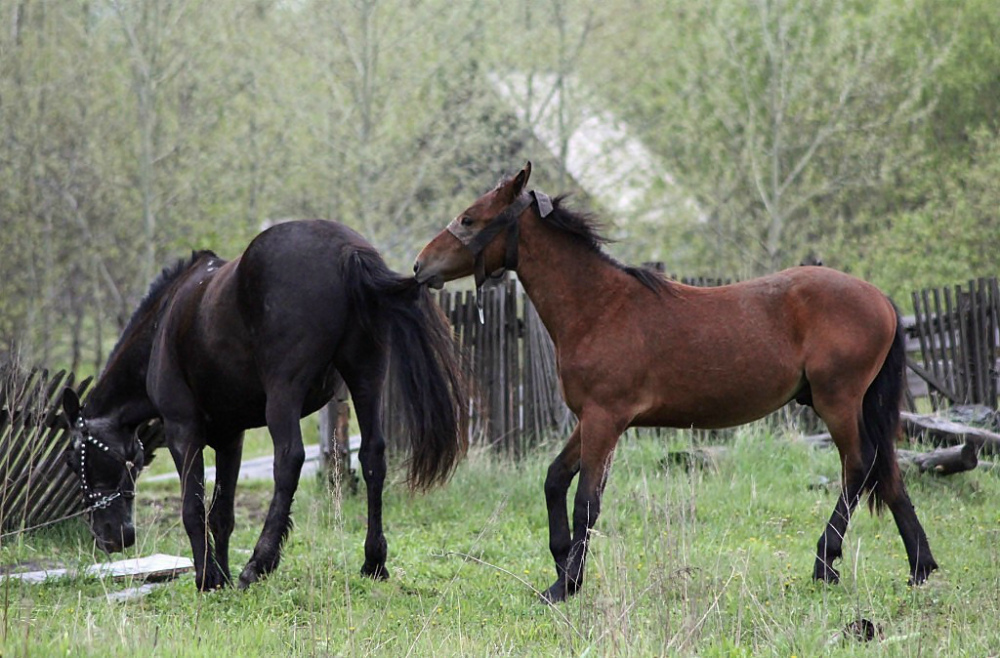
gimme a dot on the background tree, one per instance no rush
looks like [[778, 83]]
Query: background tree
[[133, 132], [777, 115]]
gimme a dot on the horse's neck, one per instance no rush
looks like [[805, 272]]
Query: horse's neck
[[559, 273], [120, 392]]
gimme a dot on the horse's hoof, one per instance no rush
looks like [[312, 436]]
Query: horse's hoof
[[248, 577], [211, 580], [555, 594], [378, 572], [826, 573], [920, 574]]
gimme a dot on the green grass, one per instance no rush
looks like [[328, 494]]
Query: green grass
[[706, 562]]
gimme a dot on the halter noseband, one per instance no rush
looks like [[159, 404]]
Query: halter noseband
[[476, 242], [102, 499]]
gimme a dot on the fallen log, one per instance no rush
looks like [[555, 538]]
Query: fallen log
[[963, 445], [942, 461], [932, 429], [945, 432], [705, 457]]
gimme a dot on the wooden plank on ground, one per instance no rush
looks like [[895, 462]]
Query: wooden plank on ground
[[152, 568]]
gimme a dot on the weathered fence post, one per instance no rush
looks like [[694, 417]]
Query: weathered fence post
[[334, 441]]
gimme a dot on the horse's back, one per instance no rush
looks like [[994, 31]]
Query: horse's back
[[293, 293], [290, 253], [730, 354], [296, 267]]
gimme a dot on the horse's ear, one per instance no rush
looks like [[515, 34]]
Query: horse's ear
[[521, 180], [71, 405]]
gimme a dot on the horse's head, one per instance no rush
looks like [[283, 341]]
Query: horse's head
[[471, 243], [107, 458]]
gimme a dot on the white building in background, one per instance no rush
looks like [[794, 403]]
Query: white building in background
[[612, 165]]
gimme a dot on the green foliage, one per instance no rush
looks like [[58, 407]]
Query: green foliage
[[713, 562], [133, 132], [779, 118], [952, 237]]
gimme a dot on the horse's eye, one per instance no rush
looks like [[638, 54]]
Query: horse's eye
[[466, 221]]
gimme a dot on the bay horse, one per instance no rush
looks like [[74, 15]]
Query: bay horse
[[218, 347], [635, 349]]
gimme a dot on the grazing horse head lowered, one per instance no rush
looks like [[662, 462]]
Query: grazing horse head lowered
[[218, 347], [635, 349], [107, 475]]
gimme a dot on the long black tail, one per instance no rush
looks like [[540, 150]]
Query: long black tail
[[880, 425], [425, 367]]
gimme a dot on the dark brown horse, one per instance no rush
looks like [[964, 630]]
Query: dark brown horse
[[637, 350], [218, 347]]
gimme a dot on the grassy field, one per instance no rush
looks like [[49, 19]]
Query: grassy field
[[710, 562]]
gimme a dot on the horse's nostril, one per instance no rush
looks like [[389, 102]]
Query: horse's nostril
[[416, 267]]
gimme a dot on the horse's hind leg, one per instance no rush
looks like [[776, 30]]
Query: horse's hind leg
[[365, 384], [918, 551], [844, 432], [830, 546], [859, 474], [221, 516], [284, 405]]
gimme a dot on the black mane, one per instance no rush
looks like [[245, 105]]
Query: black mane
[[155, 292], [588, 230]]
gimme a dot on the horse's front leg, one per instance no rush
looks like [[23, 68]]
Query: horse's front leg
[[221, 517], [283, 423], [188, 459], [560, 475], [597, 436]]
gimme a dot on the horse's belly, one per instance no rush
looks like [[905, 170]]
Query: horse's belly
[[715, 410], [695, 419]]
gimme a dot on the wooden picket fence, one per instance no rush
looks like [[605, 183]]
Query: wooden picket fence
[[957, 329], [511, 362], [36, 485]]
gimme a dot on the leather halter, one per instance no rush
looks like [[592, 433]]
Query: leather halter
[[98, 499], [476, 242]]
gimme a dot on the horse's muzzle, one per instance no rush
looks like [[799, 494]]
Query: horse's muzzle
[[431, 280], [114, 542]]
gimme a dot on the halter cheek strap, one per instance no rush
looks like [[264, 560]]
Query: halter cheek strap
[[476, 242], [101, 499]]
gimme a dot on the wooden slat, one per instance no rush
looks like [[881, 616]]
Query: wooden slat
[[977, 330], [513, 367], [938, 339], [19, 467], [949, 328], [922, 308]]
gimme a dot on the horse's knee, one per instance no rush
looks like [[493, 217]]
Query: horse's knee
[[372, 458], [586, 507], [557, 480], [221, 522], [193, 517], [294, 456]]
